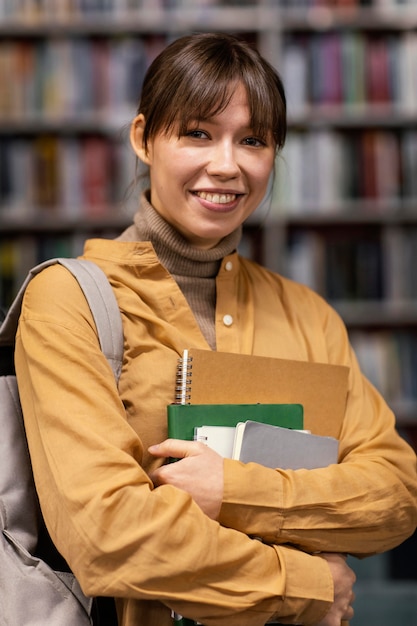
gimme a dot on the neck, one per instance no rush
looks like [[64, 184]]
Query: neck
[[193, 269]]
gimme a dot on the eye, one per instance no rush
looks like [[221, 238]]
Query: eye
[[256, 142], [196, 134]]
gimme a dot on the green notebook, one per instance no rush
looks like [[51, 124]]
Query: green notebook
[[184, 418]]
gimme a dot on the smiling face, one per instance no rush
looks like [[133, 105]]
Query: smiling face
[[208, 178]]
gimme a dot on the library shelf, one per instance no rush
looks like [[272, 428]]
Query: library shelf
[[353, 124]]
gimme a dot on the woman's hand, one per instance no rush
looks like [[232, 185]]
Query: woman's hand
[[343, 581], [199, 472]]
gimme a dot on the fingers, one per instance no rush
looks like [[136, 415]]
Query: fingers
[[349, 611], [334, 555], [176, 448], [348, 615]]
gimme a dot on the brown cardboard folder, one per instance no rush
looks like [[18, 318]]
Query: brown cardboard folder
[[221, 377]]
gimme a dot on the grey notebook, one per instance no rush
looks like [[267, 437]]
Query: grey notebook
[[276, 447]]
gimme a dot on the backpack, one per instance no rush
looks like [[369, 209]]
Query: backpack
[[36, 585]]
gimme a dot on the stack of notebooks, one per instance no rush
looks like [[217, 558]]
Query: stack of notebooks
[[280, 413], [270, 434]]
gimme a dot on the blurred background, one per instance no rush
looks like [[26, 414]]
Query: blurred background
[[343, 217]]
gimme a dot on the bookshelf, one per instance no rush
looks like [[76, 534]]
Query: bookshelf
[[346, 198], [344, 213]]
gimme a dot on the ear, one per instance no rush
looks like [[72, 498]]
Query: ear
[[136, 138]]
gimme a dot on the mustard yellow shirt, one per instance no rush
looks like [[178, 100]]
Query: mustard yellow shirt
[[154, 549]]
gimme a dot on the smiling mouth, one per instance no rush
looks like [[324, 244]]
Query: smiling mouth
[[217, 198]]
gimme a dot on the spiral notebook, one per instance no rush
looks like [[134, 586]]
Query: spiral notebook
[[209, 377]]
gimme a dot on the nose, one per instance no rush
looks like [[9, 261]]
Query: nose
[[223, 161]]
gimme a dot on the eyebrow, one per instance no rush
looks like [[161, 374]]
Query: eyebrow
[[212, 120]]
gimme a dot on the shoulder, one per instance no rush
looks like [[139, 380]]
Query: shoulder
[[53, 282], [54, 296]]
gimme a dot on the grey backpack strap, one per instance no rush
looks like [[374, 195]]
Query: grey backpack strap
[[104, 308], [101, 300]]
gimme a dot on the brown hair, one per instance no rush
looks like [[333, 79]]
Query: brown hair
[[194, 79]]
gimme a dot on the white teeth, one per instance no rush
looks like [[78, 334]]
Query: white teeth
[[216, 198]]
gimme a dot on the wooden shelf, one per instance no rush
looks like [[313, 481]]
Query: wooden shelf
[[113, 219], [142, 22], [206, 18], [97, 122], [378, 314], [347, 117], [389, 19], [349, 213]]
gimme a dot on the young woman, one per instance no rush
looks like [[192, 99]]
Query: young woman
[[162, 537]]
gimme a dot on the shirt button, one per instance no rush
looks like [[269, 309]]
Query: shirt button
[[228, 266], [227, 320]]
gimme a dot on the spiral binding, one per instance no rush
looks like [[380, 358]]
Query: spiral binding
[[183, 379]]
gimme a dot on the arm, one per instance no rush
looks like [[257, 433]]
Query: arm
[[200, 470], [365, 504], [119, 535]]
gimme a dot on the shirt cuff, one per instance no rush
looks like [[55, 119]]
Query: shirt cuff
[[309, 591]]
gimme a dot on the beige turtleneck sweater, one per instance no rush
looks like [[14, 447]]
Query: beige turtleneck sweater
[[194, 269]]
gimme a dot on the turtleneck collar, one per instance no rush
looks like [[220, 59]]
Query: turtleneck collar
[[174, 252]]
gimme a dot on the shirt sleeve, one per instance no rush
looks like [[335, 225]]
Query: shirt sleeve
[[120, 536], [363, 505]]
